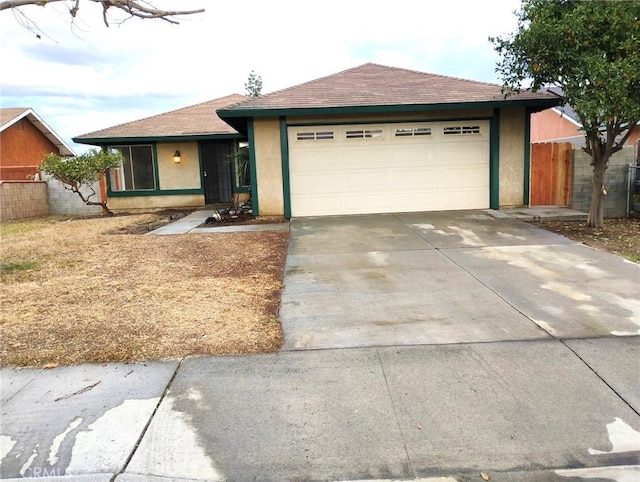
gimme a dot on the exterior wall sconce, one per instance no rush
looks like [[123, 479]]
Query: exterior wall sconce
[[177, 158]]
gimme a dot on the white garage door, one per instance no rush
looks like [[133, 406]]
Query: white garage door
[[385, 168]]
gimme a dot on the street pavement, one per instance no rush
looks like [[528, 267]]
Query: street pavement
[[444, 347]]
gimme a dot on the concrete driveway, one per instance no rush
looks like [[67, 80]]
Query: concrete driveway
[[448, 277]]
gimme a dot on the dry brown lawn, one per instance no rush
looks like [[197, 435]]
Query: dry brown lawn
[[74, 291]]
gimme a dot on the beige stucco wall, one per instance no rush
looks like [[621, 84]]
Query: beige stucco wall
[[185, 175], [512, 137], [266, 134], [134, 203]]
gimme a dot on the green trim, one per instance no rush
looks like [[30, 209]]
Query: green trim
[[527, 159], [156, 170], [155, 192], [494, 161], [379, 109], [284, 154], [201, 168], [405, 121], [252, 168], [245, 189], [146, 140], [151, 192], [156, 176]]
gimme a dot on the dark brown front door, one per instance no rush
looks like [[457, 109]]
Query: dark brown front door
[[217, 171]]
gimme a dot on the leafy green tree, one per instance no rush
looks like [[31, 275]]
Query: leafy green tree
[[253, 86], [83, 170], [591, 50]]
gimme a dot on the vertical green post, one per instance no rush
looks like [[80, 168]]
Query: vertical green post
[[284, 153], [252, 167], [527, 158], [494, 161]]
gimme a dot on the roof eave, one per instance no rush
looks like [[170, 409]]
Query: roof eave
[[231, 115], [97, 141]]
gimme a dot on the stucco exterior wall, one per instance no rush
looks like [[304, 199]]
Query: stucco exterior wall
[[512, 151], [134, 203], [266, 134], [549, 124], [22, 147], [185, 175]]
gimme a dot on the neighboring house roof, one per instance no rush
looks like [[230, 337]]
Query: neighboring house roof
[[377, 88], [10, 115], [566, 110], [198, 121]]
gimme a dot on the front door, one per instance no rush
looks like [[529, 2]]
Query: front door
[[217, 171]]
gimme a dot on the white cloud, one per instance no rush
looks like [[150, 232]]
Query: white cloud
[[84, 77]]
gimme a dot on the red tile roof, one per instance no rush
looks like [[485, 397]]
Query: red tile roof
[[377, 85], [199, 119]]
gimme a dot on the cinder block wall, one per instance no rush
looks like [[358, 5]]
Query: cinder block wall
[[616, 181], [65, 202], [23, 199]]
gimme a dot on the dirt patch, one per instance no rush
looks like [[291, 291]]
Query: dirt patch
[[76, 290], [620, 236]]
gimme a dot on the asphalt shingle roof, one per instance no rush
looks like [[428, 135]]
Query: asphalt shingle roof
[[378, 85], [199, 119]]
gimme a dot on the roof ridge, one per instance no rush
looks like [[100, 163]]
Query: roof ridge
[[299, 85]]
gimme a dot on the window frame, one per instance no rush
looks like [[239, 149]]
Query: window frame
[[153, 169]]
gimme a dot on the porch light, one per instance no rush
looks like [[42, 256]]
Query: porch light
[[177, 158]]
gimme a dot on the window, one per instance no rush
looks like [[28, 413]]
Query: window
[[241, 166], [461, 130], [364, 134], [314, 136], [136, 172], [410, 132]]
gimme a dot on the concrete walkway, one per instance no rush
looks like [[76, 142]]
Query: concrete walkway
[[191, 223], [522, 373]]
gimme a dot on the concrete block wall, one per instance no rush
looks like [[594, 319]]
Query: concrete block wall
[[616, 182], [65, 202], [23, 199]]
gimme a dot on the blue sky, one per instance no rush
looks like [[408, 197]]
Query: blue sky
[[82, 76]]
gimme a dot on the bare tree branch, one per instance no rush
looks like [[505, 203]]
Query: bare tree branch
[[134, 8]]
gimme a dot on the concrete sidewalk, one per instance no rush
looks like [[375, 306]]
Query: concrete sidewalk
[[518, 411]]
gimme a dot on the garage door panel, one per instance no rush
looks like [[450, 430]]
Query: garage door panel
[[389, 174]]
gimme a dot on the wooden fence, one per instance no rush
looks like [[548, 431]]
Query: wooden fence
[[550, 174]]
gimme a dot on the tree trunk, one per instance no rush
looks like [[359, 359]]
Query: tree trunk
[[598, 192]]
